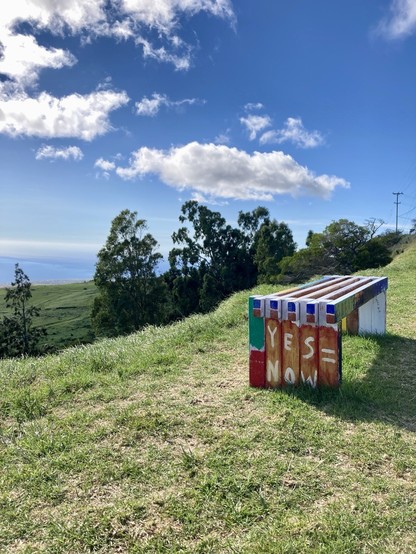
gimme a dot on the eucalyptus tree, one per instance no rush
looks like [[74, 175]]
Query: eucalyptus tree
[[211, 259], [131, 295]]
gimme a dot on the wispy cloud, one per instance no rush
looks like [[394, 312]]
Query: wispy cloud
[[179, 56], [401, 21], [218, 171], [223, 138], [151, 106], [293, 131], [49, 152], [255, 123], [210, 200], [253, 106]]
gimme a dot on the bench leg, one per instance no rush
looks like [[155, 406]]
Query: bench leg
[[372, 316]]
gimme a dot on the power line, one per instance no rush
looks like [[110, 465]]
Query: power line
[[397, 208], [408, 212]]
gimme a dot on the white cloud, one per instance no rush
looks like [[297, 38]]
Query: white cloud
[[151, 106], [181, 59], [211, 200], [401, 21], [83, 117], [255, 123], [154, 26], [23, 58], [218, 171], [48, 151], [223, 138], [163, 14], [55, 15], [252, 106], [105, 165], [293, 131]]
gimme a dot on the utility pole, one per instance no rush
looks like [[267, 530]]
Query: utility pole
[[397, 208]]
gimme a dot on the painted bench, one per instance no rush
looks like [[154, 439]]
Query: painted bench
[[295, 334]]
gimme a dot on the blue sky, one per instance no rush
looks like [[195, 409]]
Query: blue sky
[[307, 108]]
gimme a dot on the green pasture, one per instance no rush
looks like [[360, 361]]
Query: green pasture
[[65, 312], [155, 443]]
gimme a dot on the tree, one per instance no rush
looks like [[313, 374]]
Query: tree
[[342, 248], [309, 238], [212, 257], [18, 335], [305, 263], [251, 222], [273, 242], [341, 241], [268, 241], [130, 293], [373, 253]]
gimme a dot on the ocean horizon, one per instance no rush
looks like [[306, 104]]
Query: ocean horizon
[[53, 271], [47, 270]]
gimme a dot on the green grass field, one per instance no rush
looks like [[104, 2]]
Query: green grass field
[[65, 312], [155, 443]]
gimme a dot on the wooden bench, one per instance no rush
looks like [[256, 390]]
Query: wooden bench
[[295, 334]]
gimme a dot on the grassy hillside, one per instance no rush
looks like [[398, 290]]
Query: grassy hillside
[[155, 443], [65, 312]]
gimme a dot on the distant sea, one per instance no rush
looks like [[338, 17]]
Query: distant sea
[[50, 271], [47, 270]]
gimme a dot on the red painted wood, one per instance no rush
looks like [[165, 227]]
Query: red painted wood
[[309, 354], [329, 357], [290, 353], [273, 353], [257, 368]]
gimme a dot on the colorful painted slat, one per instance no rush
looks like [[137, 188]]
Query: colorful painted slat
[[309, 342], [273, 353]]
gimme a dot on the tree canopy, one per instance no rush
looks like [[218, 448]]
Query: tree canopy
[[343, 247], [130, 294]]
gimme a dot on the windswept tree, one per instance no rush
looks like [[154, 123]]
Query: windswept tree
[[130, 293], [18, 334]]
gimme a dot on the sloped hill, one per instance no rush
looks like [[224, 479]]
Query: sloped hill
[[155, 443]]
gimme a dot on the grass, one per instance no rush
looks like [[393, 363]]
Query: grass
[[65, 312], [155, 443]]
